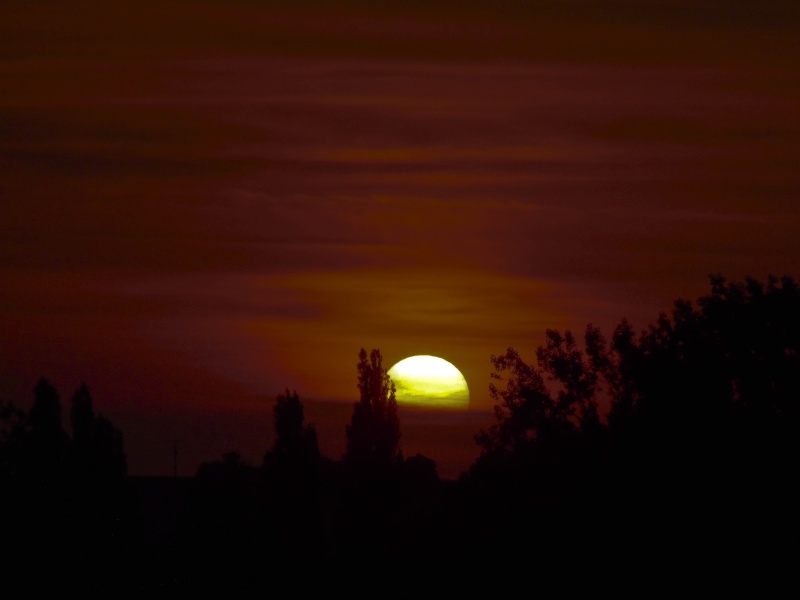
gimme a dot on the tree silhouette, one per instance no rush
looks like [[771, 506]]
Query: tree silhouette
[[293, 473], [66, 490], [703, 431], [96, 452], [36, 447], [528, 411], [44, 455], [373, 435], [720, 377], [296, 444], [701, 379]]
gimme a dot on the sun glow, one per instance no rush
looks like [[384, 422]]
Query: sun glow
[[429, 381]]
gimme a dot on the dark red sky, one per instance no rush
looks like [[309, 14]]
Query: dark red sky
[[202, 203]]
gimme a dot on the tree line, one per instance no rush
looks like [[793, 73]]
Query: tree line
[[698, 448]]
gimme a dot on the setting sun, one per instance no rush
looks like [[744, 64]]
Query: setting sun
[[429, 381]]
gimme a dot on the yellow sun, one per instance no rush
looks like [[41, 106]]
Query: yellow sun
[[429, 381]]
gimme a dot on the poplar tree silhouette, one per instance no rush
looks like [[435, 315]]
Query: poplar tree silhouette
[[373, 435]]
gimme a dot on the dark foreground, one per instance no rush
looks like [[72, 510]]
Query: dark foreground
[[234, 532]]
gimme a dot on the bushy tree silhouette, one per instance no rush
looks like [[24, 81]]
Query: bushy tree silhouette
[[96, 452], [296, 444], [373, 435], [718, 373], [720, 377], [293, 471], [66, 489], [702, 434], [44, 456], [528, 411]]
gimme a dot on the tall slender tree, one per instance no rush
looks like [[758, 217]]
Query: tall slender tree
[[373, 435]]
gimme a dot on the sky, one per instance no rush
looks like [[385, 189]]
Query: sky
[[205, 203]]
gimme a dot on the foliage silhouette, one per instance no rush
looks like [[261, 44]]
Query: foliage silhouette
[[729, 363], [96, 451], [702, 433], [696, 457], [66, 490], [296, 445], [373, 435], [44, 456], [295, 472], [36, 446], [530, 413], [720, 380]]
